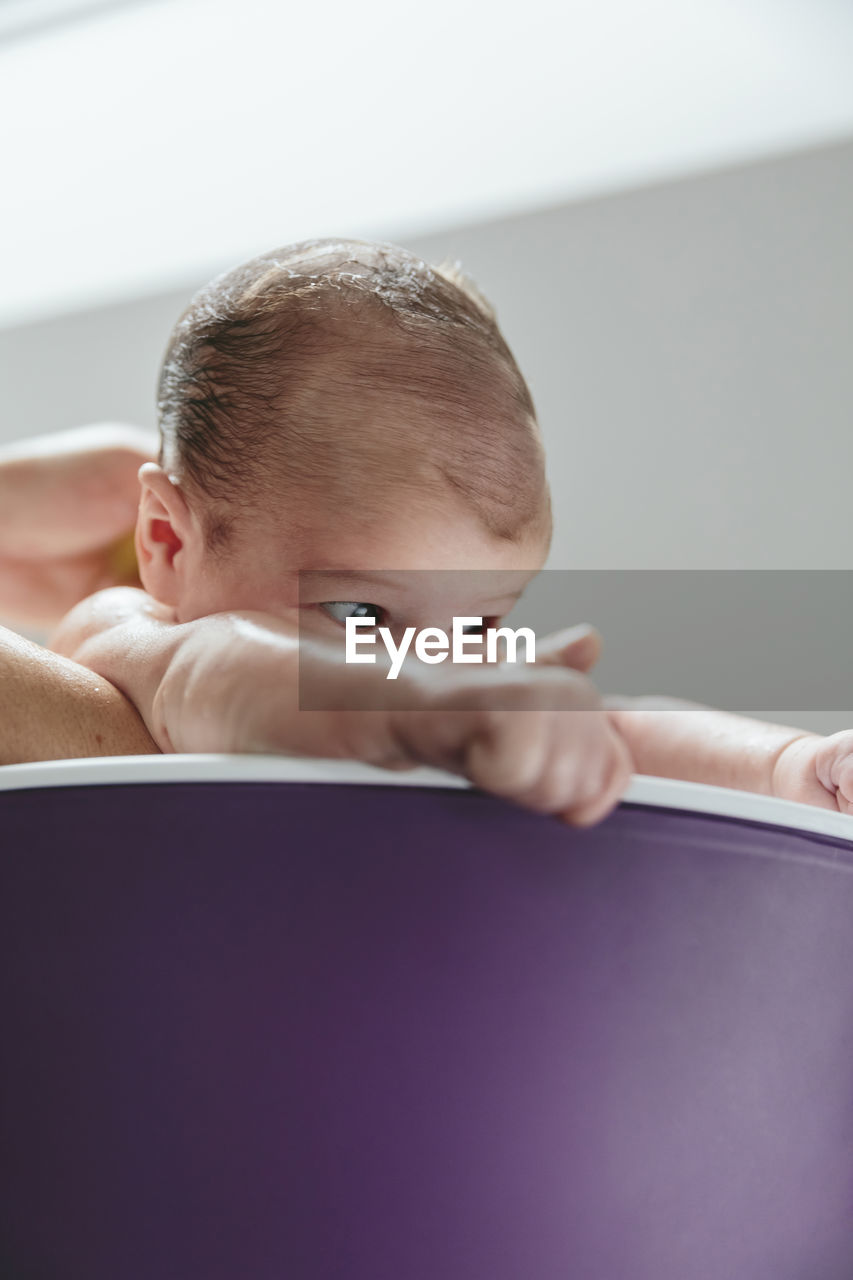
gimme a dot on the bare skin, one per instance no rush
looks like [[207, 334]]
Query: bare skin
[[669, 738], [210, 672], [68, 505], [53, 709], [65, 502]]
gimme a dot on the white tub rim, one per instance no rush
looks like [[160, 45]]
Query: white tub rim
[[665, 793]]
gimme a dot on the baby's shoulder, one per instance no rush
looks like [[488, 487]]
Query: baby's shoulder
[[104, 611]]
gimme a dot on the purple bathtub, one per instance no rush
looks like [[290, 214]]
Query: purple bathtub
[[271, 1020]]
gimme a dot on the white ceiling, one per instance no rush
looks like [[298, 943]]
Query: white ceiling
[[148, 146]]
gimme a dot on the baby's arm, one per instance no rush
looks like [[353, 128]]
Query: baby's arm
[[230, 683], [675, 739]]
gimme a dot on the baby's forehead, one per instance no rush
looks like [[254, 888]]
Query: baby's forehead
[[353, 457], [375, 528]]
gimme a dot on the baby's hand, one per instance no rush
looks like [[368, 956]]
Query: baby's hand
[[535, 735], [817, 771]]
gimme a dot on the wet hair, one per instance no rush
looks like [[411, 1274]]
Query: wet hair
[[298, 369]]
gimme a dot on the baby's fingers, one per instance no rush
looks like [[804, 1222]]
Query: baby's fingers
[[576, 647], [618, 770], [566, 763], [834, 769], [844, 785], [507, 756]]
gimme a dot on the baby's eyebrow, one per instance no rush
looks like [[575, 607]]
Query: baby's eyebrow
[[347, 583], [347, 578], [499, 595]]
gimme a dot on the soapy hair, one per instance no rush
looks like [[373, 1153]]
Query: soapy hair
[[291, 378]]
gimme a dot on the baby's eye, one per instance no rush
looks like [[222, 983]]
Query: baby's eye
[[340, 610]]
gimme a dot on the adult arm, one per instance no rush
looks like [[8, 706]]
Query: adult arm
[[51, 708]]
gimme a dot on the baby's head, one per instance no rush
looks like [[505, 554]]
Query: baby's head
[[337, 405]]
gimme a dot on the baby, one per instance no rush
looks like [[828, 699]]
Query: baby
[[335, 416]]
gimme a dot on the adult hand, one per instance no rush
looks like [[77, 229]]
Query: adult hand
[[67, 511]]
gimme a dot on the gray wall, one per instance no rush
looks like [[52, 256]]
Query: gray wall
[[690, 350], [689, 347]]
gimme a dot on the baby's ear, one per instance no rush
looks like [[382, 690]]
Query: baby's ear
[[163, 528]]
